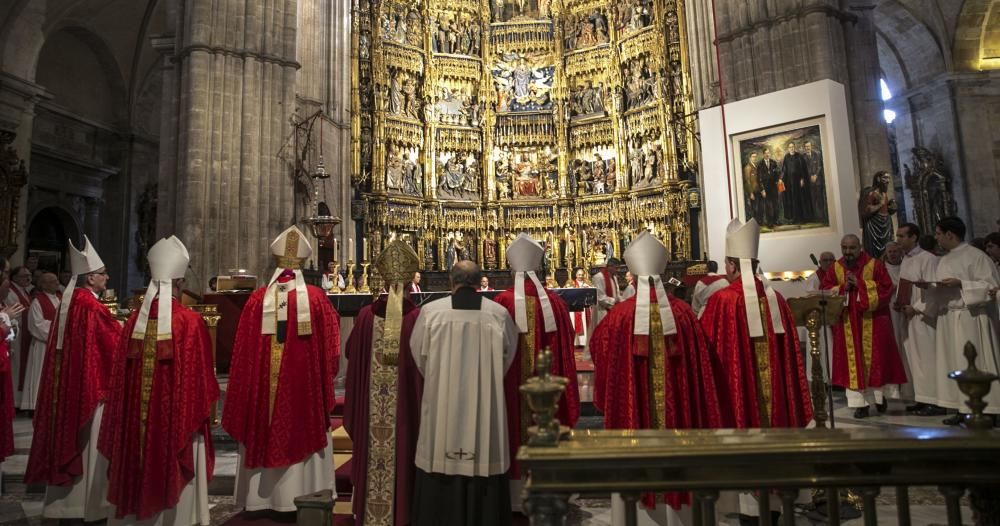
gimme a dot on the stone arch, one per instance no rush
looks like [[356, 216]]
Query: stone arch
[[912, 40], [977, 36], [62, 212], [74, 60]]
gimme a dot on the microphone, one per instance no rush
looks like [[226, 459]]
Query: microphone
[[814, 260]]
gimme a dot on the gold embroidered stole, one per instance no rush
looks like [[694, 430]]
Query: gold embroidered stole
[[528, 350], [382, 397], [762, 360], [148, 364], [657, 369], [277, 351], [867, 275]]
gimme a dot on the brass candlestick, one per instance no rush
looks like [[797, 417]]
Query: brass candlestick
[[364, 278], [350, 278], [335, 286], [975, 384]]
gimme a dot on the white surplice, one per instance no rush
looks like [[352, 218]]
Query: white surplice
[[919, 337], [701, 293], [604, 301], [38, 327], [966, 314], [277, 488], [463, 356]]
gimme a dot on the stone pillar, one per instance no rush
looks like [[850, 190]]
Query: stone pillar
[[92, 219], [167, 180], [236, 67], [871, 140]]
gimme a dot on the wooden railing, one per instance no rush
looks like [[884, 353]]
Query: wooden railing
[[774, 463]]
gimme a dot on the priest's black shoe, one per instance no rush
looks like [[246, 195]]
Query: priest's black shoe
[[931, 410], [953, 420], [861, 412], [882, 406], [915, 408]]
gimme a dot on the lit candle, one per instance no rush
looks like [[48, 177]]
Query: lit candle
[[335, 249], [350, 249], [364, 249]]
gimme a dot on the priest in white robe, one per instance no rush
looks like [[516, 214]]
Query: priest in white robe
[[463, 345], [893, 260], [920, 322], [965, 298], [608, 293], [40, 317]]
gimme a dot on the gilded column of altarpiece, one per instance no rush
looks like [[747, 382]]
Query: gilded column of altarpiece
[[477, 119]]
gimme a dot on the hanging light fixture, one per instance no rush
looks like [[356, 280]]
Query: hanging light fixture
[[323, 223]]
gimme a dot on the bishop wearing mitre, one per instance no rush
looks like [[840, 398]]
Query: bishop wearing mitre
[[280, 393], [653, 369], [155, 432], [543, 323], [71, 397], [382, 398], [752, 331]]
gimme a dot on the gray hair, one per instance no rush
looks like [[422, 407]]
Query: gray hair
[[465, 274]]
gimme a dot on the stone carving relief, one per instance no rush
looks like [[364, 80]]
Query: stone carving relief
[[930, 187]]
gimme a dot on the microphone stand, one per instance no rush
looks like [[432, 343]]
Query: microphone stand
[[824, 323]]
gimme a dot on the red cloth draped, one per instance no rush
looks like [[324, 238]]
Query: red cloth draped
[[24, 298], [560, 343], [144, 482], [356, 408], [622, 376], [49, 311], [87, 357], [725, 325], [608, 287], [6, 401], [886, 367], [298, 425]]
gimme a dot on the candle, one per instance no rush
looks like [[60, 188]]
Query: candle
[[364, 249], [350, 249], [335, 250]]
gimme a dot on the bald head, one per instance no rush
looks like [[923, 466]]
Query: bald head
[[893, 253], [48, 282], [826, 260], [464, 274]]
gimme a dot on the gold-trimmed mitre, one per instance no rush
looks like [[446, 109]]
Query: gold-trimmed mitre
[[396, 264]]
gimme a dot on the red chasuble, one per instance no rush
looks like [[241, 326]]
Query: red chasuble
[[148, 443], [303, 397], [357, 409], [779, 395], [74, 380], [864, 344], [6, 400], [645, 385], [560, 343]]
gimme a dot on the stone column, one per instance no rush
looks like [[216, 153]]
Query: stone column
[[92, 219], [236, 67], [167, 181], [871, 140]]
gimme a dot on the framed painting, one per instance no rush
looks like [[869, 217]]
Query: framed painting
[[782, 176]]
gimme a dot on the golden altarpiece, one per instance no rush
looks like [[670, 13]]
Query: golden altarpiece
[[477, 119]]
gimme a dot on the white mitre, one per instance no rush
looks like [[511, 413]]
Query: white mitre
[[168, 260], [81, 262], [291, 249], [524, 256], [646, 258], [742, 242]]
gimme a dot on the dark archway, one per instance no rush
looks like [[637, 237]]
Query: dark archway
[[48, 231]]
